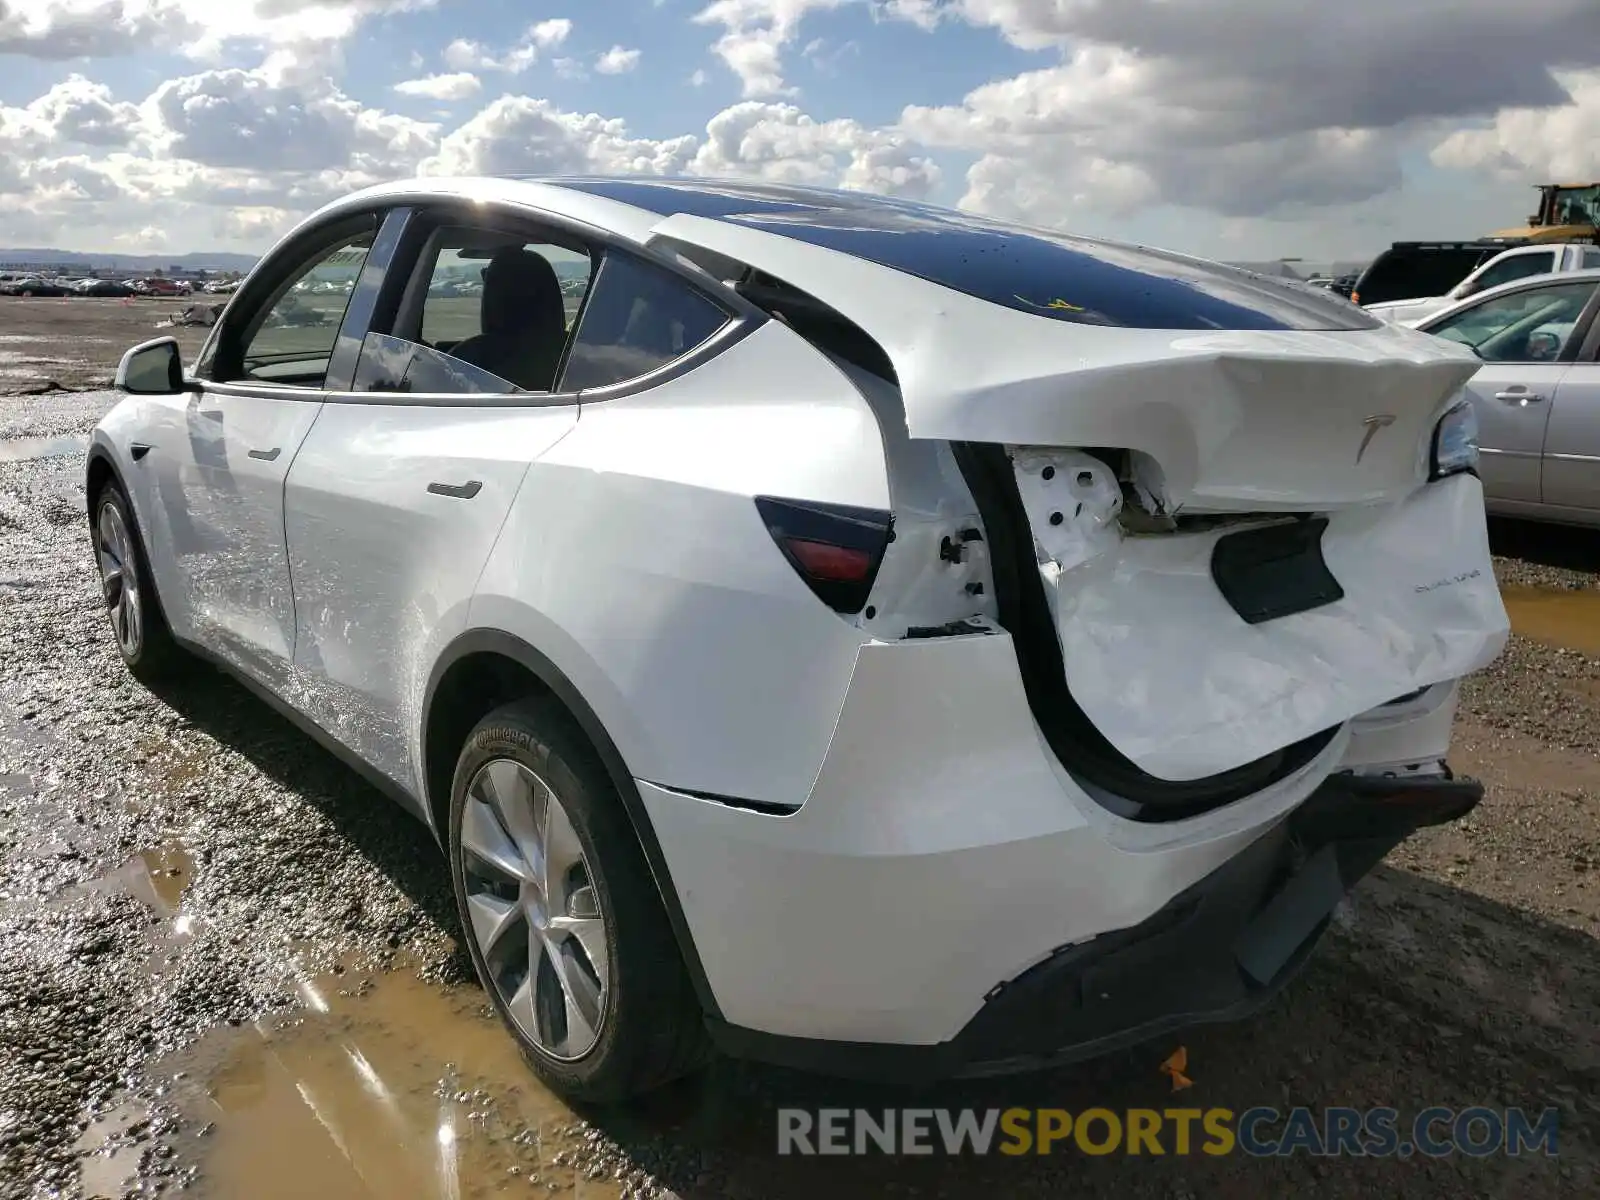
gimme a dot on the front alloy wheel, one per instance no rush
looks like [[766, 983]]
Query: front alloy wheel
[[119, 578], [127, 590]]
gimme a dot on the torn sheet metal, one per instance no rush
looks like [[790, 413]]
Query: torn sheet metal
[[1182, 686]]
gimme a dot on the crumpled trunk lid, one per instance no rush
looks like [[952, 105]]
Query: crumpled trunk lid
[[1190, 673], [1383, 586]]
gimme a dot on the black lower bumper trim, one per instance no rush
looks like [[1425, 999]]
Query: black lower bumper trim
[[1218, 951]]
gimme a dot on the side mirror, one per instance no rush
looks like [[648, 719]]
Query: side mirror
[[153, 368]]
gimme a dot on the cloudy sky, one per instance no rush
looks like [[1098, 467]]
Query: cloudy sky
[[1230, 128]]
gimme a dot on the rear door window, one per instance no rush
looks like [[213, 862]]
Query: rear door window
[[1519, 266], [639, 317], [485, 311]]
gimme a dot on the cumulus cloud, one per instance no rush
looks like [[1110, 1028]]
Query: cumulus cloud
[[780, 142], [74, 112], [755, 33], [519, 134], [1240, 109], [64, 29], [460, 85], [1535, 144], [617, 61], [1159, 101], [236, 118], [466, 55]]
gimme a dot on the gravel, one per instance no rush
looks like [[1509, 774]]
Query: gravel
[[1459, 981]]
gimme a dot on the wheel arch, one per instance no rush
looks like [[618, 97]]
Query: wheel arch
[[495, 667], [99, 470]]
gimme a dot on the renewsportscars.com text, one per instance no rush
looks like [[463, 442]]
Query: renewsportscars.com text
[[1258, 1132]]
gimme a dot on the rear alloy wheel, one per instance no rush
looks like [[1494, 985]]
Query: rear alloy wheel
[[141, 631], [560, 911], [534, 913]]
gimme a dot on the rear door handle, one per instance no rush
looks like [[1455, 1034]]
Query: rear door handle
[[1519, 396], [461, 491], [266, 455]]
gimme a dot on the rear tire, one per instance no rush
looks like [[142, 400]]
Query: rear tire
[[561, 914], [138, 625]]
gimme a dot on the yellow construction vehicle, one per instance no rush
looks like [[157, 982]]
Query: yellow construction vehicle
[[1568, 212]]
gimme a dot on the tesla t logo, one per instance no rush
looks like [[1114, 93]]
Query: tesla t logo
[[1373, 424]]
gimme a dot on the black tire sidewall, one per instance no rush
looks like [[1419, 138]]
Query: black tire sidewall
[[541, 737]]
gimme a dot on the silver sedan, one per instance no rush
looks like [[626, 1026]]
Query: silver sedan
[[1537, 395]]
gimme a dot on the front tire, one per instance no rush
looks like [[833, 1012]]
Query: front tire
[[561, 914], [128, 590]]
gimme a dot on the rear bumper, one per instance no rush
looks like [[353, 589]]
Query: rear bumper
[[1217, 951]]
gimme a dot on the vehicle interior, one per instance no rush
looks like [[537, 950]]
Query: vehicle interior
[[496, 302], [1531, 327]]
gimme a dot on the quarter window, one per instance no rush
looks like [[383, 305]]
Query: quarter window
[[639, 317], [293, 341]]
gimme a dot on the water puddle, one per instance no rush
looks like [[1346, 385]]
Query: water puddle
[[26, 449], [1565, 617], [155, 877], [389, 1087]]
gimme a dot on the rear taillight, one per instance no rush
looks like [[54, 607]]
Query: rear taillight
[[835, 548], [1355, 297]]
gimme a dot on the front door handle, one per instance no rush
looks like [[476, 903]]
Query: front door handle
[[461, 491], [266, 455], [1518, 396]]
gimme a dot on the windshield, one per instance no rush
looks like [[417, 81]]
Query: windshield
[[1576, 205]]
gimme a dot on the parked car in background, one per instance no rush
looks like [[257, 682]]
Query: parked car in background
[[1537, 394], [1344, 284], [1520, 262], [863, 683], [34, 285], [1410, 269], [159, 286], [105, 287]]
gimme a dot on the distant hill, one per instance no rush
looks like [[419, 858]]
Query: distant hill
[[215, 260]]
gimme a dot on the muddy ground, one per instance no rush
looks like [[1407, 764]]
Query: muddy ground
[[229, 966]]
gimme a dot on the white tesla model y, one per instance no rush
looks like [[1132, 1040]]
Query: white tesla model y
[[843, 631]]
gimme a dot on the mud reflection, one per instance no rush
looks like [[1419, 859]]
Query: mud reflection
[[391, 1088], [1565, 617]]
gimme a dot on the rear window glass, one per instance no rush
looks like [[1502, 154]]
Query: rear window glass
[[1416, 274], [1033, 270]]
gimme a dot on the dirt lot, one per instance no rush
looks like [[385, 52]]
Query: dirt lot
[[226, 963], [75, 343]]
